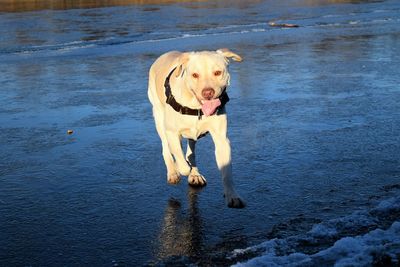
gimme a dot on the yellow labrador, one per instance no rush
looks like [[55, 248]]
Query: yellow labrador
[[188, 94]]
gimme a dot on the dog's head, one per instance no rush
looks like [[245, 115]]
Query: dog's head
[[206, 73]]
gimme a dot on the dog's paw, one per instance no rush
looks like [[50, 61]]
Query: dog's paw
[[235, 202], [196, 179], [173, 178]]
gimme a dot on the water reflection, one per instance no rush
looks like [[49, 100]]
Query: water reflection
[[182, 230]]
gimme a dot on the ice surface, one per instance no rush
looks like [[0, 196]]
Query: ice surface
[[313, 126]]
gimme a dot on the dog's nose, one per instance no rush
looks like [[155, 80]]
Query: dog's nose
[[208, 93]]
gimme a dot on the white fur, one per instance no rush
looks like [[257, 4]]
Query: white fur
[[172, 126]]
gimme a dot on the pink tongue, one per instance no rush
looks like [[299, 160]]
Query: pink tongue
[[209, 106]]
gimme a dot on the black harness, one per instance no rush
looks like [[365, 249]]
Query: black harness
[[224, 98]]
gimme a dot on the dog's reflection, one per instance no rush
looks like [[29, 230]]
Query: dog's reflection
[[181, 233]]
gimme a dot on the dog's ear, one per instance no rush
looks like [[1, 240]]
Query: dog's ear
[[229, 54], [181, 65]]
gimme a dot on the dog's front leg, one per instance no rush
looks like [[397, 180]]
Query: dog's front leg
[[223, 157], [175, 147], [195, 178]]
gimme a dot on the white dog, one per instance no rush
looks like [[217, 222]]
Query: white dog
[[188, 94]]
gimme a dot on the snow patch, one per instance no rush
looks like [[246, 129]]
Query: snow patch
[[348, 251], [388, 205], [358, 239]]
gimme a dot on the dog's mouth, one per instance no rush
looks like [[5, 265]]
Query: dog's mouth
[[209, 106], [209, 100]]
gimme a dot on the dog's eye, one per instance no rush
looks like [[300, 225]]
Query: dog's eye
[[217, 73], [195, 75]]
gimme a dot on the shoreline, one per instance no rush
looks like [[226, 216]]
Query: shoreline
[[14, 6]]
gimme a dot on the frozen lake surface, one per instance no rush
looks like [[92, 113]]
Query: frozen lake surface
[[313, 121]]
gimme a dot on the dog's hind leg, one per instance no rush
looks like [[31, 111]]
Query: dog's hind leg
[[194, 178]]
